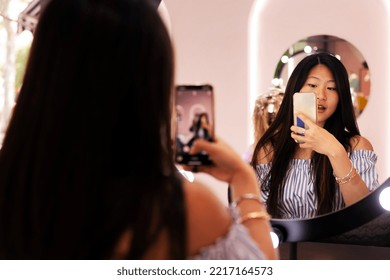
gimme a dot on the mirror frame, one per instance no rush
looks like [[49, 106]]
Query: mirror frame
[[329, 225], [353, 60]]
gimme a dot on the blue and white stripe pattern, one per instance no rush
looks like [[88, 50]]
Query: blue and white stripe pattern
[[299, 200], [237, 244]]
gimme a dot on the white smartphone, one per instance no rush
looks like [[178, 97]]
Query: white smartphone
[[305, 103], [194, 119]]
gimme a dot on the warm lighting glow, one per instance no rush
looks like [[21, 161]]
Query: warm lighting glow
[[275, 239], [384, 198]]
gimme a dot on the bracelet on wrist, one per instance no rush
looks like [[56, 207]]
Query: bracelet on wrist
[[347, 178], [247, 196], [254, 215]]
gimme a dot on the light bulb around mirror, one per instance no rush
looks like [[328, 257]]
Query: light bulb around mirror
[[275, 239], [384, 198], [284, 59], [307, 49]]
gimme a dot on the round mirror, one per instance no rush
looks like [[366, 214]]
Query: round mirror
[[353, 60]]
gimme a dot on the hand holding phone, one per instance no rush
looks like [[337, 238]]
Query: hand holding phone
[[194, 119], [305, 103]]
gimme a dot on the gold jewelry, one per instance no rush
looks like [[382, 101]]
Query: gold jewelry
[[349, 173], [346, 178], [247, 196], [254, 215]]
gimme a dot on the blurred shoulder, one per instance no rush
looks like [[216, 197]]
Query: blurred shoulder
[[207, 216], [361, 143]]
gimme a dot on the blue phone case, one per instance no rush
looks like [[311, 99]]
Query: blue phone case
[[300, 123]]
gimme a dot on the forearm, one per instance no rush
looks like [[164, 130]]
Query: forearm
[[244, 181], [242, 184], [353, 188]]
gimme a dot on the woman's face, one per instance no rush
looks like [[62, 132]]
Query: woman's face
[[321, 81]]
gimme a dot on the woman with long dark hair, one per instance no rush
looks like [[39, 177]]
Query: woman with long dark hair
[[86, 167], [313, 171]]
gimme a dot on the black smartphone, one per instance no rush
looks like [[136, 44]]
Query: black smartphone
[[194, 119]]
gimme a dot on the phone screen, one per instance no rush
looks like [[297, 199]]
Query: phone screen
[[194, 119], [305, 103]]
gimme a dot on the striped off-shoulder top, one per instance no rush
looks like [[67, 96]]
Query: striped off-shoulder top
[[237, 244], [299, 200]]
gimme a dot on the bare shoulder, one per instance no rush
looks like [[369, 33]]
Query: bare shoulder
[[265, 154], [207, 217], [360, 143]]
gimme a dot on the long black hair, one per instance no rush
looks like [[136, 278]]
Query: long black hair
[[87, 154], [277, 139]]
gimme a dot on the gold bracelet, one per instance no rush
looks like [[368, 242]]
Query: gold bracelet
[[247, 196], [347, 178], [254, 215]]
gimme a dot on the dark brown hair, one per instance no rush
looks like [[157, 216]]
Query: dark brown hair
[[88, 154]]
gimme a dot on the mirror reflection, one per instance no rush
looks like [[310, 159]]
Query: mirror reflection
[[315, 166], [350, 56]]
